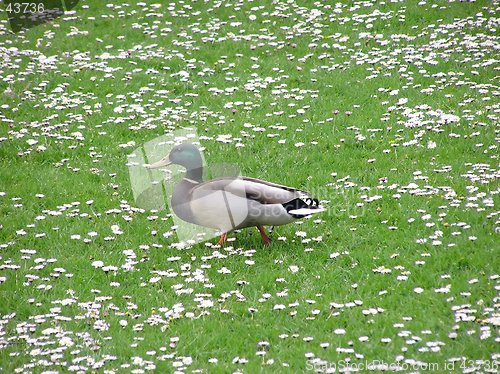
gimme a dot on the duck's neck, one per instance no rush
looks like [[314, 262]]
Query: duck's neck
[[195, 174]]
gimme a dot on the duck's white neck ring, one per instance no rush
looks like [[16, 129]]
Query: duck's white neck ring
[[191, 181]]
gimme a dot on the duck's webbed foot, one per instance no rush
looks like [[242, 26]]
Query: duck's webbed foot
[[264, 236], [222, 239]]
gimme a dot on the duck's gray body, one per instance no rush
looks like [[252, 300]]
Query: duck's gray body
[[231, 203]]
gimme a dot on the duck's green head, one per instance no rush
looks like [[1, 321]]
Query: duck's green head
[[186, 155]]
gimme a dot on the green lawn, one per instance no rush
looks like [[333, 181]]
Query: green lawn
[[386, 111]]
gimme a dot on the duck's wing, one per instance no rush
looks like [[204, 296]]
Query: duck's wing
[[276, 193], [253, 189]]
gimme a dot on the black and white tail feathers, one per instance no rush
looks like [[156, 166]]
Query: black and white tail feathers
[[302, 207]]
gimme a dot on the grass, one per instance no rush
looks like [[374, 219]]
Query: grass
[[391, 273]]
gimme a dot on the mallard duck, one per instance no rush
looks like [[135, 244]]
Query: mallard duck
[[230, 203]]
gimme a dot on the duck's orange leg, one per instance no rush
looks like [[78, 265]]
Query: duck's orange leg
[[222, 239], [263, 233]]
